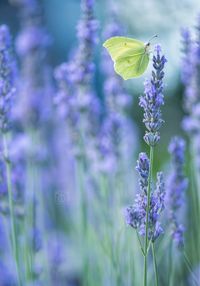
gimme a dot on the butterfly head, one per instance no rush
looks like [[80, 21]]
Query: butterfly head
[[147, 47], [148, 44]]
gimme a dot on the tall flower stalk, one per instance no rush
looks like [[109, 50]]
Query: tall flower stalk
[[78, 105], [151, 103], [32, 115], [32, 44], [76, 99], [191, 122], [116, 125], [177, 185], [143, 215], [7, 91], [191, 81]]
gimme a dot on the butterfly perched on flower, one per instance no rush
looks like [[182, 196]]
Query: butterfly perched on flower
[[130, 56]]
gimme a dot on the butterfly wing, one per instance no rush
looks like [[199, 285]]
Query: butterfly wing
[[117, 46], [132, 64], [129, 56]]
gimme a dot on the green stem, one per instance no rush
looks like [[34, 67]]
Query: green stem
[[195, 186], [83, 219], [189, 267], [82, 196], [108, 235], [36, 173], [140, 243], [155, 264], [29, 221], [11, 207], [171, 268], [147, 216]]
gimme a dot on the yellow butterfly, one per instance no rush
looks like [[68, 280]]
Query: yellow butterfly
[[130, 56]]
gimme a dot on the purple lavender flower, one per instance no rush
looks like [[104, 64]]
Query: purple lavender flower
[[135, 215], [190, 78], [7, 90], [177, 185], [7, 78], [116, 128], [75, 99], [81, 68], [187, 65], [31, 45], [3, 186], [156, 207], [18, 149], [31, 39], [191, 81], [101, 154], [6, 274], [152, 100]]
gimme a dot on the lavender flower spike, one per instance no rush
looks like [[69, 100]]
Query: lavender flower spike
[[116, 130], [177, 184], [76, 100], [135, 215], [32, 44], [152, 99], [7, 72]]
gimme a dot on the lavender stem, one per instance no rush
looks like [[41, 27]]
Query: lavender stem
[[171, 274], [194, 195], [155, 264], [11, 207], [147, 216], [189, 267], [83, 213], [139, 240], [41, 205]]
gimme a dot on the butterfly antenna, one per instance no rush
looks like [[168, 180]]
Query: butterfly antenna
[[155, 36]]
